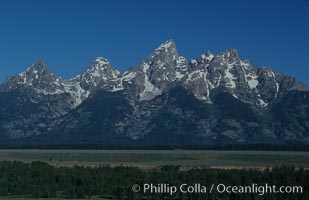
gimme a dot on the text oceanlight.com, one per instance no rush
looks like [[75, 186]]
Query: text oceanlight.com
[[219, 188]]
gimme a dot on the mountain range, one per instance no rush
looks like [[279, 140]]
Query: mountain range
[[166, 100]]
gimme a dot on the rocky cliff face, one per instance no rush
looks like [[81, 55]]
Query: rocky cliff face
[[215, 98]]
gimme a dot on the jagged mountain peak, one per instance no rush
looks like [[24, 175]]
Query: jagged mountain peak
[[99, 64], [39, 64], [100, 72], [226, 56], [35, 74], [100, 67], [165, 52], [164, 65], [230, 53], [167, 45], [38, 78], [37, 68], [206, 57], [101, 61]]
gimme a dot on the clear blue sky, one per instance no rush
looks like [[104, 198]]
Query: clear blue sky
[[69, 34]]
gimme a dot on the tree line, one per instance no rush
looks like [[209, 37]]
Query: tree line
[[41, 180]]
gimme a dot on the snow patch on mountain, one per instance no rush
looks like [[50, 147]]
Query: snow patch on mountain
[[276, 83], [252, 80], [230, 77], [74, 88], [262, 103], [145, 67], [181, 67], [126, 77], [199, 84], [209, 56], [149, 91]]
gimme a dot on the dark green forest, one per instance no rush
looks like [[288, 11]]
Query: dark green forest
[[40, 180]]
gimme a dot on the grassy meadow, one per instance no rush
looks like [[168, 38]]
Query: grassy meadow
[[152, 158]]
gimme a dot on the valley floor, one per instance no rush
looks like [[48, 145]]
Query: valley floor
[[154, 158]]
